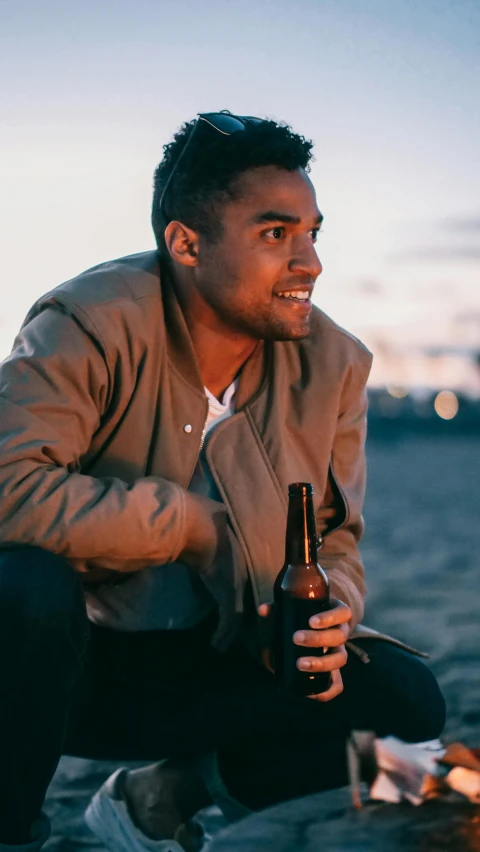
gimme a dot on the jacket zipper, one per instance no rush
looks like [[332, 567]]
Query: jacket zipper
[[202, 441]]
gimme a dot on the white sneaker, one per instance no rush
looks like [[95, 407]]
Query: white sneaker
[[108, 818]]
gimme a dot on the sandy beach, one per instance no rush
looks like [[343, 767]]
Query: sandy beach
[[422, 554]]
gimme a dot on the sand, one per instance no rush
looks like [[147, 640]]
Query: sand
[[422, 552]]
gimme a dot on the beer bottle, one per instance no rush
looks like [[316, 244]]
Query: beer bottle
[[300, 591]]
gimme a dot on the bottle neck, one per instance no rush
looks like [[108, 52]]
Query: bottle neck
[[301, 537]]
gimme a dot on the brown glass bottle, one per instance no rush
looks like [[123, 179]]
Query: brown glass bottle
[[300, 591]]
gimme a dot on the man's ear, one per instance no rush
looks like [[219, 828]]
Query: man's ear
[[182, 243]]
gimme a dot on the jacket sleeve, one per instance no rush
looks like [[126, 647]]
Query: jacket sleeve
[[54, 389], [341, 510]]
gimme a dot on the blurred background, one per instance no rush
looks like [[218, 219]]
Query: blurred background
[[390, 93]]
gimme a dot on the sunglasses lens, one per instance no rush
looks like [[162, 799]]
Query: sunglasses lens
[[252, 119], [223, 122]]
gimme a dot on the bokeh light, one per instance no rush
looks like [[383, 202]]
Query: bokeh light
[[397, 391], [446, 404]]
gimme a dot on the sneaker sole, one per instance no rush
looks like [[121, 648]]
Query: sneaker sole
[[109, 821]]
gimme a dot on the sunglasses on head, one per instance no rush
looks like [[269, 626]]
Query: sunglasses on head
[[224, 122]]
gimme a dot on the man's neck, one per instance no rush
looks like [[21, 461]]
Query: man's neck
[[219, 366], [221, 352]]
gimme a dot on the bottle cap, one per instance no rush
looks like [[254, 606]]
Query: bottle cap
[[297, 488]]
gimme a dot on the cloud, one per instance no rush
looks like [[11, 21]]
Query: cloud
[[436, 254], [470, 316], [463, 246], [369, 287], [462, 224]]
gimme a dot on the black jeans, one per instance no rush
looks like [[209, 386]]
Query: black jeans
[[70, 687]]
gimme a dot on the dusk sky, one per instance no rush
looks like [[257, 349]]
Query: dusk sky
[[389, 90]]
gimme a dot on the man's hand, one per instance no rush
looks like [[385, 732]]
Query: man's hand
[[330, 630]]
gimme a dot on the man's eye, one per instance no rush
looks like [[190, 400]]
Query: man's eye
[[315, 232], [276, 233]]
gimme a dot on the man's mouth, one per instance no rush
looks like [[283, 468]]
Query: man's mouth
[[295, 295]]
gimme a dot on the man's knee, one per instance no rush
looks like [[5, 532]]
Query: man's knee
[[36, 583], [395, 694], [427, 715]]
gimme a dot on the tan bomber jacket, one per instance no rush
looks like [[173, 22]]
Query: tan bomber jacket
[[96, 403]]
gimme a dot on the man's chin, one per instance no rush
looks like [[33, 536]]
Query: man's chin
[[275, 328], [289, 332]]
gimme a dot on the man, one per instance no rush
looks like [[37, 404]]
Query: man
[[152, 414]]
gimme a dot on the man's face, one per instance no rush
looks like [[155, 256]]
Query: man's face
[[259, 277]]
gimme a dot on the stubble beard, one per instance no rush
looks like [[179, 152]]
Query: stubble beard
[[281, 331], [269, 327]]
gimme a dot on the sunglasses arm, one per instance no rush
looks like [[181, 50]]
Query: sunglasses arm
[[161, 205]]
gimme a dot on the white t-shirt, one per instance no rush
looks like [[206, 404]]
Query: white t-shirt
[[164, 597]]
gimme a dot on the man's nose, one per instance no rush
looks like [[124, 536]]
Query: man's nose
[[306, 259]]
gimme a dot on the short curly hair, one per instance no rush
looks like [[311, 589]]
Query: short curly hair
[[207, 174]]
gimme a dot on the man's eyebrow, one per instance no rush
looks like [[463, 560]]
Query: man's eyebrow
[[276, 216]]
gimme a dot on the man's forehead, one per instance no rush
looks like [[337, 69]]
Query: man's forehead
[[269, 189]]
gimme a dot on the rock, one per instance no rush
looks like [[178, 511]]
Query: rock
[[327, 822]]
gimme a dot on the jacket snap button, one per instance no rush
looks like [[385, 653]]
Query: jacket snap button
[[187, 428]]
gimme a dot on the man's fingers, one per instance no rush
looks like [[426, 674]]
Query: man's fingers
[[322, 638], [340, 614], [328, 663], [335, 689]]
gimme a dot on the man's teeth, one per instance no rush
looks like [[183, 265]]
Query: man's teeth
[[300, 295]]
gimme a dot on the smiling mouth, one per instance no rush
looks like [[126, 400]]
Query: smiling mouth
[[295, 295]]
